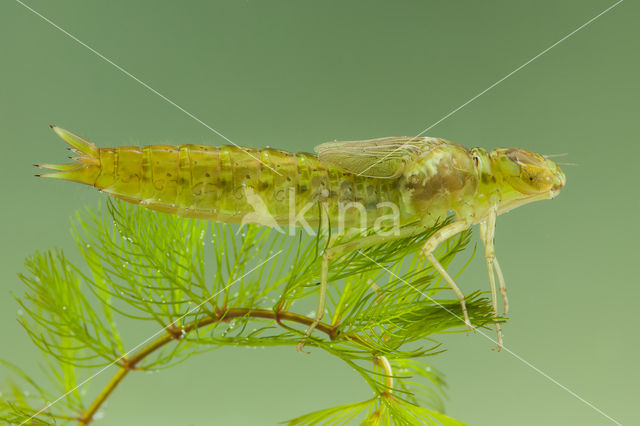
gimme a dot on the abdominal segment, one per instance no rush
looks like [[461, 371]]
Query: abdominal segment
[[242, 185]]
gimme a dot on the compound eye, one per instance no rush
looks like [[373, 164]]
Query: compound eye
[[538, 178], [525, 172]]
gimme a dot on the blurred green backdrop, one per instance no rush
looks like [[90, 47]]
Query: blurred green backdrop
[[292, 74]]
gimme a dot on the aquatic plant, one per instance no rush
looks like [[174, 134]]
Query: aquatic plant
[[207, 286]]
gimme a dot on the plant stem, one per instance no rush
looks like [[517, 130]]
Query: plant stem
[[129, 364], [388, 371]]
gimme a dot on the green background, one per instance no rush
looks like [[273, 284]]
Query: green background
[[294, 74]]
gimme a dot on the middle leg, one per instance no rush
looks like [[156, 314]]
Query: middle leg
[[430, 247]]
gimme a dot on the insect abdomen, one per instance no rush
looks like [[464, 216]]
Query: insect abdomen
[[190, 180], [224, 183]]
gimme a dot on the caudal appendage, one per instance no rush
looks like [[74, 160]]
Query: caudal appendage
[[85, 167]]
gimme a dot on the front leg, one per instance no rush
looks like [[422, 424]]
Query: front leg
[[430, 247], [487, 231]]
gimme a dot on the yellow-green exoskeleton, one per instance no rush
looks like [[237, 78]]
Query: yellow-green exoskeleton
[[399, 183]]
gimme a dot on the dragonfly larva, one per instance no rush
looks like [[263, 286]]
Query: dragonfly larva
[[419, 180]]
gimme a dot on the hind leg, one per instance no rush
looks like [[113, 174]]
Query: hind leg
[[324, 281], [333, 251]]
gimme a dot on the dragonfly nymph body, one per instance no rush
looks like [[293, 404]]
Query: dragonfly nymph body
[[406, 184]]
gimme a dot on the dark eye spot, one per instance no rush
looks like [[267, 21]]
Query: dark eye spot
[[476, 161]]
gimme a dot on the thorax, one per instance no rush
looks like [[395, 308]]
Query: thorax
[[442, 180]]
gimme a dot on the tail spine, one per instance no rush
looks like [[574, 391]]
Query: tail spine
[[86, 166]]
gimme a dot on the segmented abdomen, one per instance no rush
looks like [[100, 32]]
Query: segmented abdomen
[[227, 183], [196, 181]]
